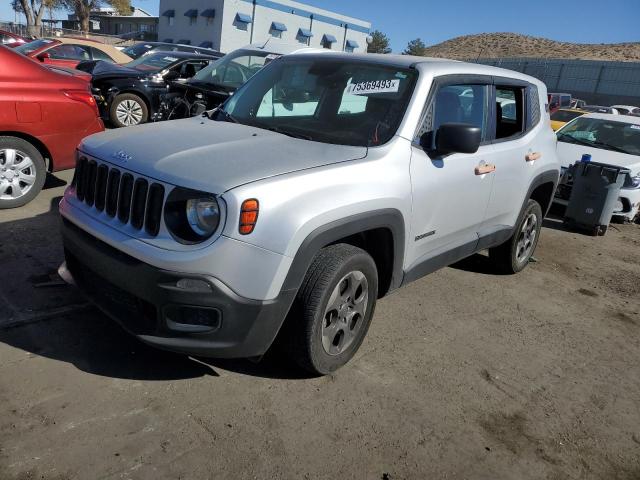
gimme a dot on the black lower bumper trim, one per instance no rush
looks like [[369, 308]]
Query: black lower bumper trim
[[140, 297]]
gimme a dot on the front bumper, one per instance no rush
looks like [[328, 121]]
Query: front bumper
[[148, 302]]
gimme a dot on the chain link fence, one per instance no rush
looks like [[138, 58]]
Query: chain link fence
[[48, 29]]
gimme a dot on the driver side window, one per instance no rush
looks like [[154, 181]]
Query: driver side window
[[457, 104]]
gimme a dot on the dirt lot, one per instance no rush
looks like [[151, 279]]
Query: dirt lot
[[464, 374]]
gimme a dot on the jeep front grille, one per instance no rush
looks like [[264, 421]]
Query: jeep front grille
[[134, 200]]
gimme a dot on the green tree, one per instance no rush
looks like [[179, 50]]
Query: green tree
[[415, 47], [33, 11], [379, 43]]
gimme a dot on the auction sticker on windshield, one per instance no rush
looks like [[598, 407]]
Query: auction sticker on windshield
[[376, 86]]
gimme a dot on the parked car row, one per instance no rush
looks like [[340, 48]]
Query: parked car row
[[315, 185]]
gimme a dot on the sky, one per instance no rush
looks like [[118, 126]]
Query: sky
[[580, 21]]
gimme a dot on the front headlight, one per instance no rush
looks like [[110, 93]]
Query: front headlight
[[191, 216], [203, 215], [635, 180]]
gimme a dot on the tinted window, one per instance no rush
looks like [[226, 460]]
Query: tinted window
[[137, 50], [100, 55], [509, 111], [69, 51], [233, 70], [154, 62]]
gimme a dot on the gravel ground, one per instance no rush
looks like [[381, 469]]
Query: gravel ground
[[464, 374]]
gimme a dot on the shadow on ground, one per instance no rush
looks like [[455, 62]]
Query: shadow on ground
[[83, 336]]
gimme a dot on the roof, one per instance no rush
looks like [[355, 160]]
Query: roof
[[110, 50], [613, 117], [275, 46], [429, 63], [181, 55]]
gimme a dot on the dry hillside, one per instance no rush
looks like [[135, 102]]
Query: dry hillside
[[503, 45]]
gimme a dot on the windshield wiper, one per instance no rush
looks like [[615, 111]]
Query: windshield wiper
[[225, 115], [288, 133]]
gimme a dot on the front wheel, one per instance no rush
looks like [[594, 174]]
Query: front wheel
[[333, 309], [128, 110], [22, 172], [514, 254]]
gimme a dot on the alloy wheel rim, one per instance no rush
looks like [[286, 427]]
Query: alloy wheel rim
[[129, 112], [345, 313], [526, 238], [17, 174]]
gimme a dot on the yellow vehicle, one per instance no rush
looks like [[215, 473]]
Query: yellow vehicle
[[564, 115]]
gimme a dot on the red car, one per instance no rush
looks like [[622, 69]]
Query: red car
[[44, 113], [69, 51], [11, 40]]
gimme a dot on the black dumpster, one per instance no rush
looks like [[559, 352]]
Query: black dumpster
[[596, 187]]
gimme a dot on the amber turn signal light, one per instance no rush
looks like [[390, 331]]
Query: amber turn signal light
[[248, 216]]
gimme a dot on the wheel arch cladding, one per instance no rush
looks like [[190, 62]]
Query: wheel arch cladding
[[381, 233], [543, 194], [542, 189], [38, 145]]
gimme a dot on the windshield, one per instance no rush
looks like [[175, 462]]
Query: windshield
[[565, 115], [27, 48], [152, 63], [605, 134], [137, 50], [342, 102], [233, 70]]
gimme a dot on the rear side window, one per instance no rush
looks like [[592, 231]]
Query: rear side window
[[100, 55], [509, 111]]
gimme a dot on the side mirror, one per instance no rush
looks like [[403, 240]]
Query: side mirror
[[171, 75], [44, 56], [453, 138]]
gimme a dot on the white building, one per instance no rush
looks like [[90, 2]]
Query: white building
[[226, 25]]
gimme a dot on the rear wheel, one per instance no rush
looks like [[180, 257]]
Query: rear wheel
[[128, 110], [333, 308], [22, 172], [514, 254]]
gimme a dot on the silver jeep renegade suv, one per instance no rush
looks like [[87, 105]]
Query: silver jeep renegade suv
[[323, 184]]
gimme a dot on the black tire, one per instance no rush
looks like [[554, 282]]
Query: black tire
[[305, 325], [39, 169], [128, 97], [505, 257]]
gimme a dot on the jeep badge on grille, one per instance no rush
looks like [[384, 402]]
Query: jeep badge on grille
[[121, 156]]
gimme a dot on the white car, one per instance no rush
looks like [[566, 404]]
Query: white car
[[325, 182], [626, 109], [614, 140]]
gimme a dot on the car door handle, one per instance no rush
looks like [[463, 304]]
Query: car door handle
[[485, 168], [532, 156]]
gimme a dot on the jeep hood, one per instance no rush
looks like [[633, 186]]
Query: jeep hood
[[209, 155], [570, 153]]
